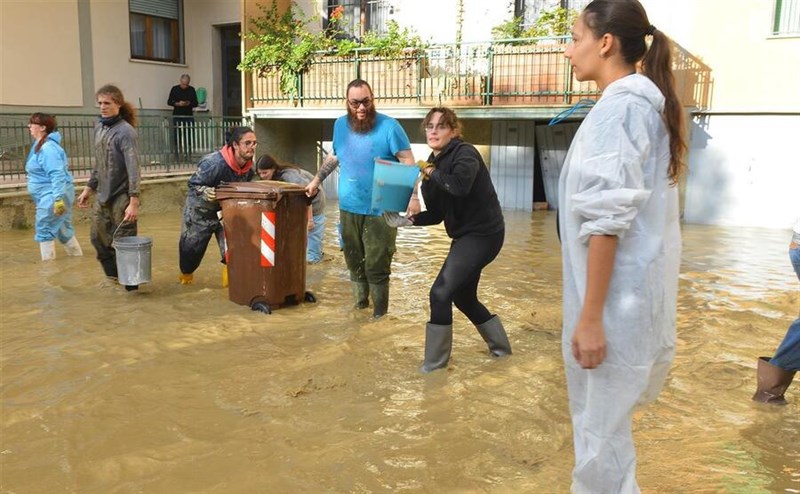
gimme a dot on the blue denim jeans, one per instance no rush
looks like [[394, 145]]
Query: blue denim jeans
[[314, 251], [787, 356]]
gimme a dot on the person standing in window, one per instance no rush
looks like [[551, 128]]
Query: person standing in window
[[369, 243], [115, 177], [183, 100], [621, 238], [51, 187]]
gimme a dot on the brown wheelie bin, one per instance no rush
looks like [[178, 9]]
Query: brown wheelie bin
[[265, 232]]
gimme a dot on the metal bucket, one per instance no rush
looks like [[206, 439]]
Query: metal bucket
[[133, 259]]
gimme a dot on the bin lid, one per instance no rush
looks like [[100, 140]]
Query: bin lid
[[264, 189]]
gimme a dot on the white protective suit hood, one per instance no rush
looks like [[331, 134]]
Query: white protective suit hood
[[615, 182]]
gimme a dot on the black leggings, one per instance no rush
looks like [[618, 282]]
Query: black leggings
[[458, 279]]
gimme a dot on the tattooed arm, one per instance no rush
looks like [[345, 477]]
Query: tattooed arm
[[329, 164]]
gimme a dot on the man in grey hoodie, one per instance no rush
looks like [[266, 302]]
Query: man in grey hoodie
[[115, 177]]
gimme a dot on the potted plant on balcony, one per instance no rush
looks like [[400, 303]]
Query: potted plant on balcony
[[283, 47], [287, 57], [535, 52]]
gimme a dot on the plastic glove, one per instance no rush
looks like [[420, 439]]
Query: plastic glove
[[422, 166], [59, 207], [208, 193], [396, 220]]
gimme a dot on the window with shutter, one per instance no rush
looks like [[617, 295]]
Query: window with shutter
[[786, 21], [156, 29]]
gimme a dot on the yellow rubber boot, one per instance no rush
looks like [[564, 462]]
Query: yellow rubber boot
[[186, 279], [224, 276]]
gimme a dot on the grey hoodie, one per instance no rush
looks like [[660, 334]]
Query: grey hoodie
[[116, 164]]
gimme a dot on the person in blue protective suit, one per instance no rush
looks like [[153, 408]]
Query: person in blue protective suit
[[458, 190], [621, 241], [775, 374], [232, 163], [268, 168], [51, 186], [369, 243], [116, 178]]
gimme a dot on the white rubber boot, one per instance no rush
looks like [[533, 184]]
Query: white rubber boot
[[73, 248], [48, 250]]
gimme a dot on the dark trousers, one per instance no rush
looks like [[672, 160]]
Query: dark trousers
[[369, 245], [106, 226], [458, 279], [182, 139], [198, 227]]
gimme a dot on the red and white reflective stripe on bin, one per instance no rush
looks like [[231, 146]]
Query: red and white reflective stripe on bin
[[268, 239], [225, 247], [224, 238]]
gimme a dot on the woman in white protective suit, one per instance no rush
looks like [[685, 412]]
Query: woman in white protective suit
[[618, 209]]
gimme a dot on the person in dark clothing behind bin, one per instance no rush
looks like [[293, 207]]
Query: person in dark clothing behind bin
[[232, 163], [268, 168], [183, 100], [369, 243], [115, 177], [457, 189]]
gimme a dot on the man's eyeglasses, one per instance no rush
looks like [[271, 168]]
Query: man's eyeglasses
[[437, 127], [249, 144], [355, 103]]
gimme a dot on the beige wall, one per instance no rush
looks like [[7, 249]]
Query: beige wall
[[40, 53], [202, 40], [55, 81], [148, 83], [750, 70]]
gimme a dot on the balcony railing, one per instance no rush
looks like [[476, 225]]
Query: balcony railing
[[163, 147], [525, 72]]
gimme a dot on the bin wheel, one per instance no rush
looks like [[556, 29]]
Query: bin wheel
[[261, 307], [309, 297]]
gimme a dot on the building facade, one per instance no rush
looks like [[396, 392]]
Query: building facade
[[739, 76]]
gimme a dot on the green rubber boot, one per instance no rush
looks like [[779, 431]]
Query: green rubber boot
[[361, 294], [380, 299]]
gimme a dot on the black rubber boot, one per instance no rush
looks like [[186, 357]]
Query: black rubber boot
[[109, 267], [495, 336], [438, 343], [380, 299], [361, 294], [772, 382]]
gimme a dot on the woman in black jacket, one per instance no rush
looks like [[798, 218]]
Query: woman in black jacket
[[457, 189]]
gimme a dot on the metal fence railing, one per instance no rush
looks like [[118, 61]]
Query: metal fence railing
[[163, 146], [504, 72], [518, 72]]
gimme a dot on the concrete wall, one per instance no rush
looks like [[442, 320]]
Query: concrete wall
[[743, 171], [751, 70], [165, 195], [742, 157]]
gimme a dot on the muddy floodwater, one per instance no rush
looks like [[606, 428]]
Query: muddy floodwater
[[175, 389]]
